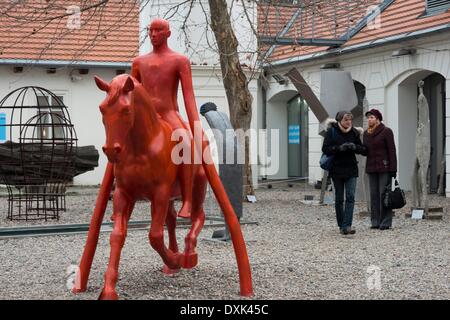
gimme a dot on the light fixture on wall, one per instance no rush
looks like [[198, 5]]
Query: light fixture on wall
[[333, 65], [404, 52], [18, 69], [280, 79], [51, 70]]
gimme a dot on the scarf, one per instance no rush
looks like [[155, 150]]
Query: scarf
[[343, 129], [371, 130]]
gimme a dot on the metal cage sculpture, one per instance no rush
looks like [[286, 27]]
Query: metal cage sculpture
[[38, 145]]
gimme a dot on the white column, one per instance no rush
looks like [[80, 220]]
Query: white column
[[447, 137]]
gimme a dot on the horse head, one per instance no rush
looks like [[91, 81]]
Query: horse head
[[117, 112]]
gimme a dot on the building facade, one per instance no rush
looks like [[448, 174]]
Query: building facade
[[410, 43]]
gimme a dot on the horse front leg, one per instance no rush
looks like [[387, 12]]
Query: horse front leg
[[94, 230], [171, 223], [160, 205], [123, 206]]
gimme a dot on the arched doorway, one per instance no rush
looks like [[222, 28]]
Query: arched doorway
[[434, 91]]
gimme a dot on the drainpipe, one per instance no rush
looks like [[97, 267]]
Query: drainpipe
[[264, 124]]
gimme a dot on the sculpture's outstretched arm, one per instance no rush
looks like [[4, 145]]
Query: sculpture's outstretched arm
[[201, 148], [237, 238]]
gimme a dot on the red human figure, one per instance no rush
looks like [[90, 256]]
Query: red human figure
[[160, 72]]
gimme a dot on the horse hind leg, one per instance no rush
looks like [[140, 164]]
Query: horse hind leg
[[171, 223], [122, 211], [190, 256], [160, 206], [186, 178]]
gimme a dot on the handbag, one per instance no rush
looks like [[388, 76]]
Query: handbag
[[394, 198], [326, 161]]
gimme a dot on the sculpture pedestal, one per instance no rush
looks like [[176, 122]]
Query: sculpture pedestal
[[434, 213]]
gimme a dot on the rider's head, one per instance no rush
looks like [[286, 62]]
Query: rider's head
[[159, 32]]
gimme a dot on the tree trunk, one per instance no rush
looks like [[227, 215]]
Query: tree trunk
[[235, 81]]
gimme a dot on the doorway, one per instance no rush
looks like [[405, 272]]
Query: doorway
[[434, 91], [297, 137], [408, 92]]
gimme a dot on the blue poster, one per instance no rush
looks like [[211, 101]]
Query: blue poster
[[2, 127], [294, 134]]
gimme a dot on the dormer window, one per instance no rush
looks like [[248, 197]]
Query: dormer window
[[436, 6]]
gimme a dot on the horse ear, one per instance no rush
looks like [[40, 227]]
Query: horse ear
[[102, 85], [128, 86]]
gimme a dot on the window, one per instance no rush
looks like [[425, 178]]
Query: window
[[282, 2], [436, 6], [45, 131]]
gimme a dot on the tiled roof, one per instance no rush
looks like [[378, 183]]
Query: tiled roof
[[399, 17], [107, 33], [319, 19]]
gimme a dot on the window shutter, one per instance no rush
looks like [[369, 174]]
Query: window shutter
[[434, 6]]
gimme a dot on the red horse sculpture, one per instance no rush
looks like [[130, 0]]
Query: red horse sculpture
[[138, 147]]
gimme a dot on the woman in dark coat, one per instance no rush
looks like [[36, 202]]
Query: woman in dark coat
[[343, 141], [381, 166]]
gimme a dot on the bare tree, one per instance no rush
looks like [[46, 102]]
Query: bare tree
[[235, 81]]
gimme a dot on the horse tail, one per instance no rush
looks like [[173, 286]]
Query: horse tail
[[237, 238], [94, 230]]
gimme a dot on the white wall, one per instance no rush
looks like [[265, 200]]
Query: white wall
[[315, 141]]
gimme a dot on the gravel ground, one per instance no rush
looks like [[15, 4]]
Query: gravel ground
[[295, 252], [80, 202]]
